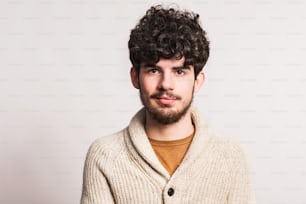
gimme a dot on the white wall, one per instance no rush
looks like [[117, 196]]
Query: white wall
[[64, 82]]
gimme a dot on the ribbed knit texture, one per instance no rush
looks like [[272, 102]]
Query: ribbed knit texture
[[122, 168]]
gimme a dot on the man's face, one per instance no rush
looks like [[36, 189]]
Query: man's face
[[166, 88]]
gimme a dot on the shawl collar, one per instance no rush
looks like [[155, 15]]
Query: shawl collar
[[141, 143]]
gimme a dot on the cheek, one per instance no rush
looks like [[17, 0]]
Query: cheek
[[188, 87], [147, 86]]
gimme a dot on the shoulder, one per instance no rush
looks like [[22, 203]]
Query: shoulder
[[106, 147], [228, 145], [231, 150], [225, 145]]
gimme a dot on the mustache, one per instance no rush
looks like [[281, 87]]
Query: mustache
[[163, 94]]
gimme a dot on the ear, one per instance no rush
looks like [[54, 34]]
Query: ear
[[134, 77], [199, 81]]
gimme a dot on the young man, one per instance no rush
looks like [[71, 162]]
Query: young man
[[166, 154]]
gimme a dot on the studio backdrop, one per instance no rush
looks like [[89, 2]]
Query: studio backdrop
[[64, 82]]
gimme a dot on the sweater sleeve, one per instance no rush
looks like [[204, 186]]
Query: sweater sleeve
[[241, 191], [95, 188]]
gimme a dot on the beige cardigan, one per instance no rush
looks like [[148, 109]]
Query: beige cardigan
[[122, 168]]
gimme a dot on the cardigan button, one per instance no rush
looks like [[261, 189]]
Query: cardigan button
[[170, 192]]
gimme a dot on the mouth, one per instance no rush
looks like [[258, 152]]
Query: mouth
[[165, 100]]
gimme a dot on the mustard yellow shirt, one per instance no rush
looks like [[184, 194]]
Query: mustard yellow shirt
[[171, 153]]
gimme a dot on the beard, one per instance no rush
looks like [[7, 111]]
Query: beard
[[163, 113]]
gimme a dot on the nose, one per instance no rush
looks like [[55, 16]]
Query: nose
[[166, 82]]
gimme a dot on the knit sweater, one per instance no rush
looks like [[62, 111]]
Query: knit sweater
[[122, 168]]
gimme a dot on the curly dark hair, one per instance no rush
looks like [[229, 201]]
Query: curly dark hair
[[169, 33]]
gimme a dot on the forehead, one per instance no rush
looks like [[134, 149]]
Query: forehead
[[164, 63]]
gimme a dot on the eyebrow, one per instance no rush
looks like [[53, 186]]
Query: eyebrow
[[182, 67], [148, 65]]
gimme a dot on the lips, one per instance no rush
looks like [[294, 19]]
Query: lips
[[165, 100]]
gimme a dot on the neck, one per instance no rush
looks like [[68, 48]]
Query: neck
[[181, 129]]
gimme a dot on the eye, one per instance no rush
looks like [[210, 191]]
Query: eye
[[180, 71], [153, 70]]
